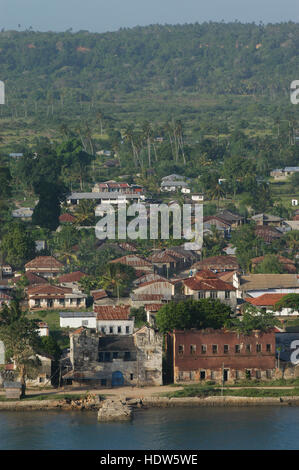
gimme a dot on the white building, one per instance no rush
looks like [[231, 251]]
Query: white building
[[78, 319], [114, 320]]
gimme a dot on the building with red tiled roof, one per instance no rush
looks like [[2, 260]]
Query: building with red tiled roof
[[112, 319], [99, 294], [67, 218], [265, 300], [267, 303], [267, 233], [71, 278], [48, 296], [46, 266], [136, 262], [217, 264], [206, 284]]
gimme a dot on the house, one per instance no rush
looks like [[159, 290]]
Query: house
[[171, 259], [220, 355], [206, 284], [162, 287], [115, 360], [67, 218], [136, 262], [164, 261], [22, 213], [234, 220], [43, 328], [46, 266], [267, 219], [289, 266], [31, 278], [283, 173], [47, 296], [173, 177], [114, 320], [172, 186], [268, 233], [197, 197], [105, 197], [292, 224], [43, 374], [16, 155], [254, 285], [111, 187], [6, 270], [99, 296], [78, 319], [148, 277], [267, 303], [138, 300], [214, 221], [217, 264], [71, 279]]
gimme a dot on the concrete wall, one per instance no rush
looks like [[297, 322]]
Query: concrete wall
[[76, 322]]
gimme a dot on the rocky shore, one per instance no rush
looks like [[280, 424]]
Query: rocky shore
[[123, 408]]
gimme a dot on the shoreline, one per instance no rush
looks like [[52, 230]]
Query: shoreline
[[149, 402]]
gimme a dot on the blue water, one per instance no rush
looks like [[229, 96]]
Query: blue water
[[169, 429]]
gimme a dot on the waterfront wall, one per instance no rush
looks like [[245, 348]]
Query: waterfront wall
[[149, 402]]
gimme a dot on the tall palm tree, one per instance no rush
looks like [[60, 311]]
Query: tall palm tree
[[217, 193], [84, 213]]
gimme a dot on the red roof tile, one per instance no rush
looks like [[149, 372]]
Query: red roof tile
[[112, 312], [218, 263], [153, 307], [132, 260], [265, 300], [71, 277], [44, 262], [67, 218], [206, 280]]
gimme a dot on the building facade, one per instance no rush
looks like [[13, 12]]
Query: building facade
[[220, 355], [116, 360]]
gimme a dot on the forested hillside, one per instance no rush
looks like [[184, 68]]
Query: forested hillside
[[212, 58]]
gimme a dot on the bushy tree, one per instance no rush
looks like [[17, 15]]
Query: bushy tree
[[17, 246], [199, 314], [20, 337]]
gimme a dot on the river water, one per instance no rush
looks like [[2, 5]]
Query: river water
[[169, 429]]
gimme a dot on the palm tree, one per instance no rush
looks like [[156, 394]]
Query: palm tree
[[217, 193], [84, 213], [115, 278]]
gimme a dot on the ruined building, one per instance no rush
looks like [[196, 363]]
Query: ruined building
[[115, 360]]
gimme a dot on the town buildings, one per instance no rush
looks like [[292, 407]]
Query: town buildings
[[206, 284]]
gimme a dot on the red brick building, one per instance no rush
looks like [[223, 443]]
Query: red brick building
[[198, 355]]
